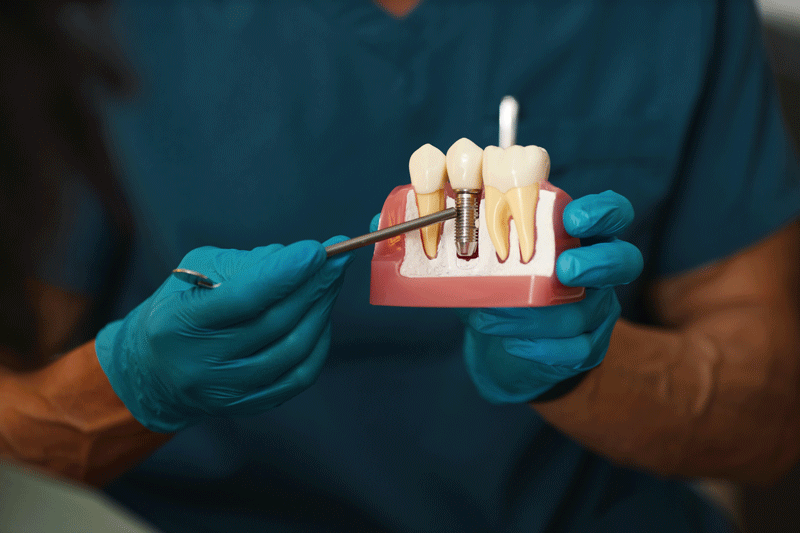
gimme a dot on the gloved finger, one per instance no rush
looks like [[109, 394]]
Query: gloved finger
[[576, 353], [598, 215], [600, 265], [282, 317], [270, 278], [271, 362], [376, 220], [558, 321], [292, 382], [568, 353], [227, 265], [222, 264]]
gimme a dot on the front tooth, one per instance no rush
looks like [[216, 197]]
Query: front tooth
[[512, 177], [428, 169], [464, 161]]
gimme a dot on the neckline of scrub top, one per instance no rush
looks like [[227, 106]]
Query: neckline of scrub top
[[396, 15], [371, 24], [397, 41], [367, 9]]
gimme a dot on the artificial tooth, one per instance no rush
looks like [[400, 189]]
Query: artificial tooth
[[428, 169], [464, 168], [464, 161], [512, 177]]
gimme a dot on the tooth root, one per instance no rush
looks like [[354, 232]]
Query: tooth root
[[522, 202], [428, 204], [497, 223]]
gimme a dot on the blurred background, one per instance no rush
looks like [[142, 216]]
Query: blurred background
[[782, 34], [777, 509]]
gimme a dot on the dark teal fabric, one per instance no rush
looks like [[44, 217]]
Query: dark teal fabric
[[278, 121]]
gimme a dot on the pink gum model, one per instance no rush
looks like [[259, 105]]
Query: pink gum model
[[389, 287]]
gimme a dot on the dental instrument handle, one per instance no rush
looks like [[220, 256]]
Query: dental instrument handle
[[509, 115], [201, 280], [391, 231]]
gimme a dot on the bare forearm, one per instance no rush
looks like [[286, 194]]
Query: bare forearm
[[66, 419], [707, 400]]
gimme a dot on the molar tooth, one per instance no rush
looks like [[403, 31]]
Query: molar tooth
[[512, 178], [428, 169]]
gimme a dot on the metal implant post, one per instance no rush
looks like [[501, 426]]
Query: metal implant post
[[467, 206], [464, 169]]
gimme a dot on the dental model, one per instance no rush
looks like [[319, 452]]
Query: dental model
[[483, 260]]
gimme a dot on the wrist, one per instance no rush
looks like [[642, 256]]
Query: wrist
[[107, 347], [51, 416], [501, 377], [119, 357], [561, 389]]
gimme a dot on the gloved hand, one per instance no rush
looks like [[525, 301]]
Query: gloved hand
[[515, 355], [250, 344]]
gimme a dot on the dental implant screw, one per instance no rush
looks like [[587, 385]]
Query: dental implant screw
[[467, 206], [465, 171]]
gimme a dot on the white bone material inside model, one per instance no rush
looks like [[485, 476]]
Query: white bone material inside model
[[416, 264]]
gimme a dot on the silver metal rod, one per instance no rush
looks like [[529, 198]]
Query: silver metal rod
[[391, 231], [509, 113]]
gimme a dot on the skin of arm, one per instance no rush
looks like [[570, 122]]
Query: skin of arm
[[64, 417], [714, 390]]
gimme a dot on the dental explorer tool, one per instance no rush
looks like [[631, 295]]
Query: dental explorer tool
[[196, 278], [391, 231]]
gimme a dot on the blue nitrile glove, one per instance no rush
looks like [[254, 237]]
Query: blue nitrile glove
[[516, 355], [373, 225], [250, 344]]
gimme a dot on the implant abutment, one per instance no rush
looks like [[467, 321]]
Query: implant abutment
[[467, 207]]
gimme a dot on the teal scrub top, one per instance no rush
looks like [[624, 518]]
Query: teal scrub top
[[262, 122]]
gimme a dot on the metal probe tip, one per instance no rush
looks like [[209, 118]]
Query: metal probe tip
[[195, 278]]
